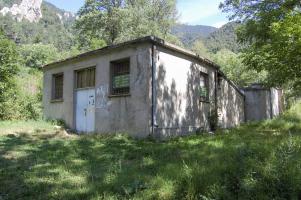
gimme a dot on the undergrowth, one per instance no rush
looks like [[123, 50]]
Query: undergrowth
[[255, 161]]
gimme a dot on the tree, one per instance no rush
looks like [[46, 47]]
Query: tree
[[154, 17], [101, 19], [232, 65], [119, 20], [273, 30], [200, 48], [37, 55], [8, 70], [281, 56]]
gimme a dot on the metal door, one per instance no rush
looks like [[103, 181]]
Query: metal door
[[85, 111]]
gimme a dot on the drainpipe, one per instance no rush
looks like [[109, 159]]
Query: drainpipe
[[153, 89], [245, 107], [215, 94]]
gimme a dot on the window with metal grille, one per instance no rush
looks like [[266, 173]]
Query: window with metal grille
[[120, 77], [204, 87], [57, 86], [85, 78]]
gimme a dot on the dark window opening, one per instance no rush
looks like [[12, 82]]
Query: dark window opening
[[120, 77], [85, 78], [204, 87], [57, 86], [219, 82]]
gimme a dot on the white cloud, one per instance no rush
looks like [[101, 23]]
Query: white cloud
[[219, 24]]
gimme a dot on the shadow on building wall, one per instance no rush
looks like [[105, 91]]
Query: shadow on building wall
[[230, 105], [179, 112]]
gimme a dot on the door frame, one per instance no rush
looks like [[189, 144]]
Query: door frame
[[76, 89], [85, 111]]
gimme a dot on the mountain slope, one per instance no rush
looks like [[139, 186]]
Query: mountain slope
[[224, 38], [53, 27], [26, 9], [213, 38], [188, 33]]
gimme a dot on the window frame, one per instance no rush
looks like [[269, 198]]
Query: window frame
[[206, 98], [113, 64], [54, 87], [87, 86]]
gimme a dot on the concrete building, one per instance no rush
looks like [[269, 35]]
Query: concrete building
[[141, 87]]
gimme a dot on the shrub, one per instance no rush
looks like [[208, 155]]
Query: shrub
[[37, 55], [9, 60]]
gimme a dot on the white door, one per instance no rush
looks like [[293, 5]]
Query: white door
[[85, 111]]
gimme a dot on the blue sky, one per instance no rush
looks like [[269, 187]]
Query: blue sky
[[204, 12]]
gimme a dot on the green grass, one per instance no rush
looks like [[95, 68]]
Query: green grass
[[254, 161]]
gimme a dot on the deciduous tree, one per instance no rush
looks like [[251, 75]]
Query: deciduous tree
[[120, 20], [273, 29]]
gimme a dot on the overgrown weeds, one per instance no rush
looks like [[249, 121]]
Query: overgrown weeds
[[254, 161]]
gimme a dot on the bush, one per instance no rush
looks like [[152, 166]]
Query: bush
[[30, 96], [37, 55], [9, 61], [20, 87]]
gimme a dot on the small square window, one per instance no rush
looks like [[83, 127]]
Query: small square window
[[204, 87], [85, 78], [120, 77], [57, 86]]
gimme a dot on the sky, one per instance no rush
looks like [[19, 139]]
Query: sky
[[193, 12]]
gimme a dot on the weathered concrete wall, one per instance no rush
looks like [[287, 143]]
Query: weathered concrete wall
[[126, 114], [262, 103], [179, 110], [61, 110], [130, 114], [230, 105]]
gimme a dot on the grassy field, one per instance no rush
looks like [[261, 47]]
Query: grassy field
[[254, 161]]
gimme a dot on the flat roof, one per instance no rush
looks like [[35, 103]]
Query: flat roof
[[153, 40]]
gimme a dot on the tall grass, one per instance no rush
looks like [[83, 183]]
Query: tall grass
[[254, 161]]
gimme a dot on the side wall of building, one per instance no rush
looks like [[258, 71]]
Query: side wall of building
[[178, 107], [231, 105], [128, 114]]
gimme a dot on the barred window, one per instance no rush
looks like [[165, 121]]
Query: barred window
[[120, 77], [204, 87], [57, 86], [85, 78]]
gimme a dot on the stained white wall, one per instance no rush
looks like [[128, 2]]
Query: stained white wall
[[230, 105], [179, 110], [263, 103]]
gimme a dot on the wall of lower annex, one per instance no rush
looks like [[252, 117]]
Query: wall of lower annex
[[263, 103]]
